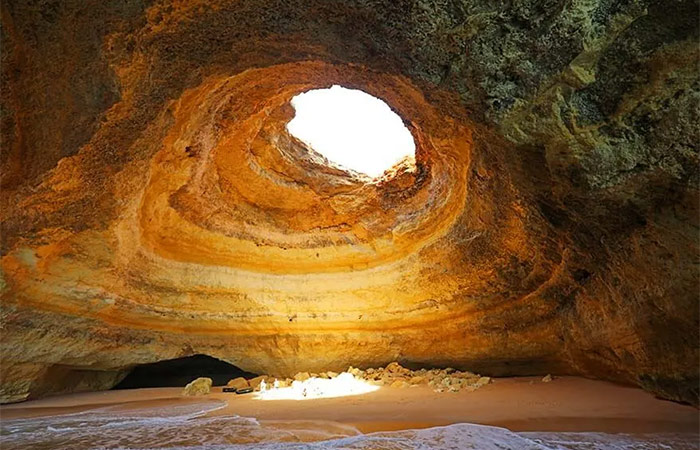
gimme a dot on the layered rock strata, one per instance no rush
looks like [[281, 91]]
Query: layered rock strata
[[154, 206]]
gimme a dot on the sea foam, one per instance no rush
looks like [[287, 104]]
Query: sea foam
[[187, 427]]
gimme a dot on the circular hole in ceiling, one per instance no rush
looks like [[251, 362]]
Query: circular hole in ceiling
[[352, 130]]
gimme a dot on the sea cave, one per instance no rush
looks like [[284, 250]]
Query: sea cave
[[349, 224]]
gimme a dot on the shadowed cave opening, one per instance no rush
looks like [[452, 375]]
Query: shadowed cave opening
[[352, 129], [180, 371]]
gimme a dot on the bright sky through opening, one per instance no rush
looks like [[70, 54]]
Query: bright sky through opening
[[351, 129]]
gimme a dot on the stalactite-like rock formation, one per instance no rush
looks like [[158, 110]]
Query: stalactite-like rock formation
[[154, 206]]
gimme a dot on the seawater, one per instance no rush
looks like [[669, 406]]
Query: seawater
[[187, 427]]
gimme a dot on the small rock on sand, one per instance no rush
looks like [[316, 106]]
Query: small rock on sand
[[302, 376], [238, 383], [547, 378], [282, 383], [355, 372], [255, 382], [417, 380], [394, 367], [483, 381], [200, 386]]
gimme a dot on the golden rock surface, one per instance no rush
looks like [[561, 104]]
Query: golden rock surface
[[154, 205]]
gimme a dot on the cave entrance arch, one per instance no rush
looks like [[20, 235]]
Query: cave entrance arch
[[180, 371], [352, 130]]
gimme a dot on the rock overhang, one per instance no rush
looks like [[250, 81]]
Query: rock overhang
[[190, 221]]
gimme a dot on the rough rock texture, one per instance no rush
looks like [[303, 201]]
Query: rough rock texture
[[153, 205], [394, 375], [238, 383], [200, 386]]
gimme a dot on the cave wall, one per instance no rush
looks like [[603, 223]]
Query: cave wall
[[153, 205]]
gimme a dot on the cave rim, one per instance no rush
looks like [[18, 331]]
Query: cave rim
[[402, 161]]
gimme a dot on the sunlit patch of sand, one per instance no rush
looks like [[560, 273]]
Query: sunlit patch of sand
[[314, 388]]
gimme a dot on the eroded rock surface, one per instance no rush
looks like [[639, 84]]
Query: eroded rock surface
[[200, 386], [154, 206]]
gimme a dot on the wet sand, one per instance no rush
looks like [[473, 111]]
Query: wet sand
[[567, 404]]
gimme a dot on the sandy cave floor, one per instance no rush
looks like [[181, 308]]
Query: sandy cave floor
[[561, 409]]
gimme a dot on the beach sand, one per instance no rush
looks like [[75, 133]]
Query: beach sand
[[567, 404]]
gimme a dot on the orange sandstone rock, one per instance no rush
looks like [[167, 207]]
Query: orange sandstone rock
[[154, 205]]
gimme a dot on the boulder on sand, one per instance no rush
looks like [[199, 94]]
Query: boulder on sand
[[302, 376], [200, 386], [238, 383], [255, 382]]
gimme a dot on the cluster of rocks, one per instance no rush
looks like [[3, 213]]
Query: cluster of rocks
[[393, 375], [440, 380], [241, 383]]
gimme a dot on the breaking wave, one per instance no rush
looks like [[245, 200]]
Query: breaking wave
[[187, 427]]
